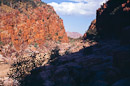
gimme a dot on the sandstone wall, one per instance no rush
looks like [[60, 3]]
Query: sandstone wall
[[30, 22]]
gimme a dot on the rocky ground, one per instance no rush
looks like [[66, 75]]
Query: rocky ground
[[77, 63], [92, 66], [8, 54]]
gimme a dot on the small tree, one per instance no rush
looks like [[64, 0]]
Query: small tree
[[1, 2], [55, 53], [11, 3]]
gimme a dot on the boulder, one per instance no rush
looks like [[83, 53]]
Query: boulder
[[123, 82], [121, 60]]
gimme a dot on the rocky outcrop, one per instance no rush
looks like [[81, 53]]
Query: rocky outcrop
[[74, 35], [29, 22], [112, 21], [92, 31], [113, 18]]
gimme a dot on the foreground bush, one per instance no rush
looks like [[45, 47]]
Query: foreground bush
[[23, 66]]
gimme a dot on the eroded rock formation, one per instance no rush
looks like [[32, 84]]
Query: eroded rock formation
[[29, 22]]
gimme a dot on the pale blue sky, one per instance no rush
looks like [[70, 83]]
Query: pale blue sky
[[76, 14]]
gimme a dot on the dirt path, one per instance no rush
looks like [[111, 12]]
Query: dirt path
[[4, 69]]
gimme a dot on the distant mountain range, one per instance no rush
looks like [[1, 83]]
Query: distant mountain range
[[74, 34]]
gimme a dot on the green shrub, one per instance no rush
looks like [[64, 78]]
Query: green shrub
[[67, 52], [1, 42], [71, 40], [46, 44], [36, 45], [20, 31], [55, 53], [54, 56], [43, 20], [60, 37], [48, 37], [58, 42], [56, 34], [47, 18]]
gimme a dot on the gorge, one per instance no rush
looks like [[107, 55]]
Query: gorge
[[35, 49]]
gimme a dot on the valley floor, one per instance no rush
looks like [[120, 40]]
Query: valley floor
[[80, 63]]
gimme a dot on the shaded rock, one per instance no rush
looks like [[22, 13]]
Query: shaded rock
[[123, 82], [112, 74], [88, 50], [112, 22], [112, 18], [100, 83], [48, 83], [125, 35], [121, 59]]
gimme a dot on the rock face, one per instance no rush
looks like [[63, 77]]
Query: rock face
[[113, 18], [74, 34], [29, 22], [112, 21], [92, 31]]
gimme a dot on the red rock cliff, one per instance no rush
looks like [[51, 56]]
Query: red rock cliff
[[30, 22], [91, 31], [112, 20]]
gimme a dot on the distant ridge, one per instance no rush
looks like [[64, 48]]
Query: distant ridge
[[74, 35]]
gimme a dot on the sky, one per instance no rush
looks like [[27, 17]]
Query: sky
[[77, 15]]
